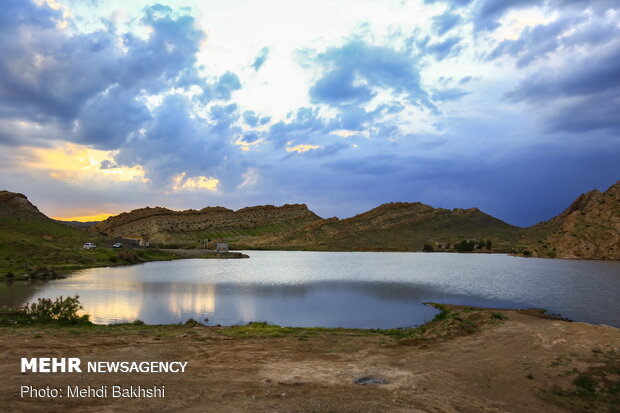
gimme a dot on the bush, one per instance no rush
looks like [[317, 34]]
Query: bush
[[499, 316], [63, 310], [127, 256], [428, 248], [465, 246]]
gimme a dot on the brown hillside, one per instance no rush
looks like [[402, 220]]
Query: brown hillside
[[394, 226], [589, 228], [14, 204], [165, 227]]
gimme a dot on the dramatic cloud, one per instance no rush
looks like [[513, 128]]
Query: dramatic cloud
[[508, 105], [357, 69], [52, 76], [176, 143]]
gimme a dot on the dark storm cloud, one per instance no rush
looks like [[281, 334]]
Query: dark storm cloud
[[176, 142], [91, 88], [43, 72], [260, 59], [108, 118], [301, 126], [168, 51], [523, 189], [51, 76], [566, 34], [581, 95]]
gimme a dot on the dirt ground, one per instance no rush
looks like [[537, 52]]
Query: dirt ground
[[512, 365]]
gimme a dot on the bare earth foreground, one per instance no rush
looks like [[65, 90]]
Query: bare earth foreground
[[471, 360]]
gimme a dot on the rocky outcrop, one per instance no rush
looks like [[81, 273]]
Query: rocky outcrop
[[589, 228], [15, 204], [165, 227]]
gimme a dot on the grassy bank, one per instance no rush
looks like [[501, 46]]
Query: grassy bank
[[466, 359], [450, 321], [35, 247]]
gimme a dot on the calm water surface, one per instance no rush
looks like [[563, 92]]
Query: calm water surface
[[346, 289]]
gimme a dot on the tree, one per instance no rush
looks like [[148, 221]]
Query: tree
[[465, 246]]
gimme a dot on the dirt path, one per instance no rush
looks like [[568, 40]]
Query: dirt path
[[508, 366]]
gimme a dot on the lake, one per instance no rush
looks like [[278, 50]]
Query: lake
[[334, 289]]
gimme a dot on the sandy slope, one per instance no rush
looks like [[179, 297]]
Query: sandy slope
[[482, 372]]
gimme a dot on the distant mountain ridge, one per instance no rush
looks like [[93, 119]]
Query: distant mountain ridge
[[589, 228]]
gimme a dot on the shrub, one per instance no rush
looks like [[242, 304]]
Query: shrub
[[499, 316], [63, 310], [465, 246], [427, 248], [128, 256], [585, 384]]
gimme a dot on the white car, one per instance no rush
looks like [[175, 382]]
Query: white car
[[117, 245], [88, 245]]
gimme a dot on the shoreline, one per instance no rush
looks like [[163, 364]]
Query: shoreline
[[57, 270], [466, 359]]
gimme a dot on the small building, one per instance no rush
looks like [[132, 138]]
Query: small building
[[221, 247]]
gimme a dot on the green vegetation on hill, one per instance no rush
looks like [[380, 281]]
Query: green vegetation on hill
[[34, 245]]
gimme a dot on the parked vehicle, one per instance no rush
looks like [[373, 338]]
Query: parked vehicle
[[88, 246], [118, 245]]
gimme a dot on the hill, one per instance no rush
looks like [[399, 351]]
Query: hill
[[589, 228], [166, 228], [33, 244], [396, 226], [79, 224]]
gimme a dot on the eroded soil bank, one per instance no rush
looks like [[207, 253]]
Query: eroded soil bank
[[468, 360]]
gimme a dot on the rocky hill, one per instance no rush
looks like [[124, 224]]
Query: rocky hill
[[396, 226], [35, 246], [13, 204], [589, 228], [164, 227]]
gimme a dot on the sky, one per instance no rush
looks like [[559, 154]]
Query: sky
[[511, 106]]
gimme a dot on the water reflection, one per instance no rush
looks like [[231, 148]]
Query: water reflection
[[323, 303], [366, 290]]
